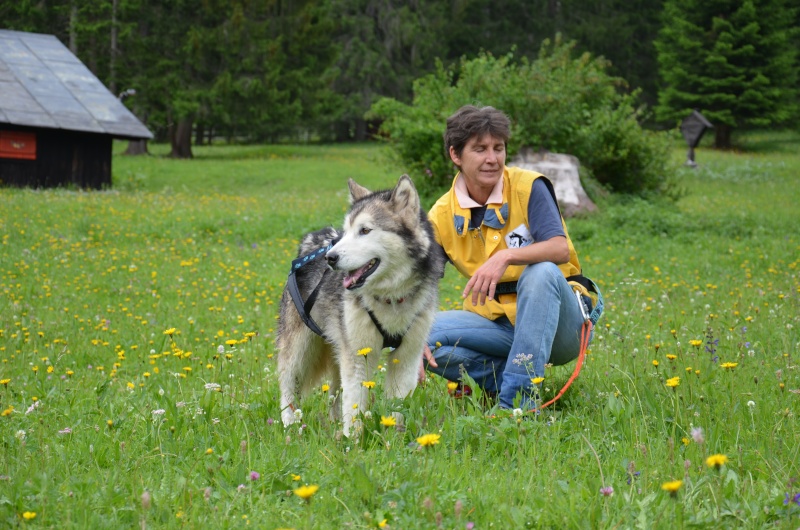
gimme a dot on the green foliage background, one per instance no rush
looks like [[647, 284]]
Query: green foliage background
[[558, 102]]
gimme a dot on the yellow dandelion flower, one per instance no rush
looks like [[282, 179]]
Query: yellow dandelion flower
[[537, 380], [672, 486], [388, 421], [170, 331], [296, 477], [306, 492], [131, 385], [5, 382], [209, 451], [672, 382], [427, 440], [325, 388], [452, 385], [29, 515], [696, 343], [716, 461], [364, 351], [685, 441], [368, 384], [729, 366], [7, 412], [232, 342], [110, 423], [671, 356]]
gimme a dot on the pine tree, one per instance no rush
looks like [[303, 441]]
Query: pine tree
[[734, 61]]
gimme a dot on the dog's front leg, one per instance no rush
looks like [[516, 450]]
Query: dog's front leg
[[402, 371], [355, 396]]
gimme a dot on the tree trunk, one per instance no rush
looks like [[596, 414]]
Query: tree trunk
[[112, 62], [136, 147], [722, 136], [73, 28], [199, 134], [181, 138]]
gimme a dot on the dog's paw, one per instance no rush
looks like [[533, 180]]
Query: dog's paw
[[291, 416]]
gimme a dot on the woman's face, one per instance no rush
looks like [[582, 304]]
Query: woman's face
[[481, 162]]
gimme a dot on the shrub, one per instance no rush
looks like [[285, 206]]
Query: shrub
[[556, 103]]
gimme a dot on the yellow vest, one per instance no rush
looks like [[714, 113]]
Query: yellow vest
[[469, 249]]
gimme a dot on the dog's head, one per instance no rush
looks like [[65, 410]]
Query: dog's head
[[383, 231]]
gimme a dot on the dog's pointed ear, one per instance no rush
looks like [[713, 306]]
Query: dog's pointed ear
[[356, 191], [405, 197]]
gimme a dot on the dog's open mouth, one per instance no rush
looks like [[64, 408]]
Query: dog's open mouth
[[355, 279]]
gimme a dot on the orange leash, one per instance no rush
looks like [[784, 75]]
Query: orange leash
[[586, 332]]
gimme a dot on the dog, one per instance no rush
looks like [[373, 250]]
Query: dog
[[370, 285]]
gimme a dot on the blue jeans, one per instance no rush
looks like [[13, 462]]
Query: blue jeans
[[504, 358]]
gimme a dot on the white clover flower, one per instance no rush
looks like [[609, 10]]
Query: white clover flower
[[368, 414], [220, 349], [158, 412], [212, 386], [20, 435], [160, 391], [298, 414], [751, 404], [517, 413]]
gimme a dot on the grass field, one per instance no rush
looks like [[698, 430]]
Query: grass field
[[138, 385]]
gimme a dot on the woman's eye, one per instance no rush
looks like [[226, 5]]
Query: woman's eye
[[364, 231]]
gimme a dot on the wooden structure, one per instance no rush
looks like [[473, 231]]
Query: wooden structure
[[693, 127], [57, 120]]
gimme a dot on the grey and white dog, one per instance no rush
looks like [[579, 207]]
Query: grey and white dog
[[376, 286]]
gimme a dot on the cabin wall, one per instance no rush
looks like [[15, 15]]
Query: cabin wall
[[63, 158]]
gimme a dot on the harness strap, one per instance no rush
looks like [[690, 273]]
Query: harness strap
[[389, 341], [304, 308]]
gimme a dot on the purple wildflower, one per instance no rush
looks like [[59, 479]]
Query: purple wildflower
[[254, 475], [607, 491], [795, 499]]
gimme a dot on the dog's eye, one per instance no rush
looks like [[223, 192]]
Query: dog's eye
[[364, 230]]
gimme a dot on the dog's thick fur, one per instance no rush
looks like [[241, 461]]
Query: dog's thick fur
[[386, 261]]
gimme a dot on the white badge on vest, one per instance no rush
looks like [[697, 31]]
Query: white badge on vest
[[519, 237]]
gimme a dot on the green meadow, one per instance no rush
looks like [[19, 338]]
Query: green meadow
[[138, 382]]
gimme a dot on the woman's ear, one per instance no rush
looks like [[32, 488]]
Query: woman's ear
[[454, 156]]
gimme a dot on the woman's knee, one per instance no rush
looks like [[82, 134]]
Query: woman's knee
[[539, 274]]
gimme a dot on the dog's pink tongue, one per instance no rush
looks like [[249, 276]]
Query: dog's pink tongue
[[352, 277]]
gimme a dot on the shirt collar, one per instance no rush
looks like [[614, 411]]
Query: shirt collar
[[465, 201]]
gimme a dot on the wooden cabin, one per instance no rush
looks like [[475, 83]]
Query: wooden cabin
[[57, 120]]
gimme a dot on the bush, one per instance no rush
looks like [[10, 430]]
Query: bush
[[557, 103]]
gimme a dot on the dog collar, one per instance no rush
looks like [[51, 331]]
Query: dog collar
[[389, 301]]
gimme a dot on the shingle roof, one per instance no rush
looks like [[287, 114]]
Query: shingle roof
[[42, 84]]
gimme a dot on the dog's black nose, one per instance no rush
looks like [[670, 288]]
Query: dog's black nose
[[332, 258]]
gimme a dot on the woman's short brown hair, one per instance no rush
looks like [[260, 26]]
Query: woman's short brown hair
[[470, 121]]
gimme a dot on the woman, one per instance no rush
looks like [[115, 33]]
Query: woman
[[501, 228]]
